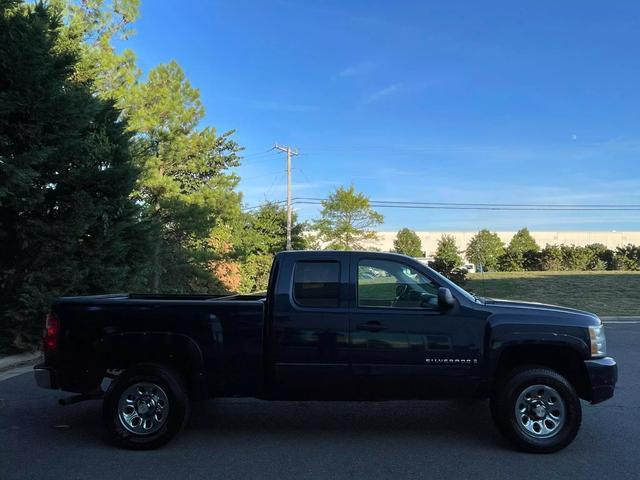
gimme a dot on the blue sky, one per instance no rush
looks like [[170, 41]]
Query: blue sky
[[509, 102]]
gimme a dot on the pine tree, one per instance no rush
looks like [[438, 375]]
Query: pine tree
[[183, 185], [67, 223]]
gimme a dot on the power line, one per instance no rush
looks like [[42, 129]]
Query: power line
[[484, 206], [254, 207], [550, 205]]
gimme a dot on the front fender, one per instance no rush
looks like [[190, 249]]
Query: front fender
[[509, 336]]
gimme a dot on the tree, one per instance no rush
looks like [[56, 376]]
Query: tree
[[183, 185], [523, 242], [518, 254], [408, 242], [485, 248], [67, 222], [447, 257], [264, 235], [346, 220], [266, 230], [91, 27]]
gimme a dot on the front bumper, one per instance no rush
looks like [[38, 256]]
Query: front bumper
[[45, 377], [603, 375]]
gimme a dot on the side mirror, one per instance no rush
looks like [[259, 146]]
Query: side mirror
[[445, 298]]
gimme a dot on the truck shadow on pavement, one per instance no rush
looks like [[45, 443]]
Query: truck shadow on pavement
[[468, 421], [463, 422]]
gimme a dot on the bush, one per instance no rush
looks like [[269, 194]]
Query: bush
[[551, 258], [627, 258], [458, 276], [511, 261], [574, 258]]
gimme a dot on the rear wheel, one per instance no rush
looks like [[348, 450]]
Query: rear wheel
[[537, 409], [145, 407]]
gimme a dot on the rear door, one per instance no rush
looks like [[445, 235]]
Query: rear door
[[310, 329]]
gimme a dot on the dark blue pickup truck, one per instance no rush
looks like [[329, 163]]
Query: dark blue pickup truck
[[332, 326]]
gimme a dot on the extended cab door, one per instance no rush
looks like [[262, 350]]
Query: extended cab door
[[402, 344], [310, 328]]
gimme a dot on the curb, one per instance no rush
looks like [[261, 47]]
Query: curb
[[621, 319], [12, 361]]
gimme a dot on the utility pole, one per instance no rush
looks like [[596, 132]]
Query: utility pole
[[289, 153]]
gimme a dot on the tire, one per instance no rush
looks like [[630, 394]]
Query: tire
[[537, 409], [145, 407]]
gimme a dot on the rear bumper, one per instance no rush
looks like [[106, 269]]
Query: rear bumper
[[45, 377], [603, 375]]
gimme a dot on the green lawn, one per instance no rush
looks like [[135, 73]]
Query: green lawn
[[604, 293]]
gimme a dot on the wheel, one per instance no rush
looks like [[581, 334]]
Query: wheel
[[537, 409], [145, 407]]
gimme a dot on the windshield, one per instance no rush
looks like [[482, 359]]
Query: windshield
[[448, 283]]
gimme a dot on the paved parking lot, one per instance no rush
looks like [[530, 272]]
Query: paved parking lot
[[243, 438]]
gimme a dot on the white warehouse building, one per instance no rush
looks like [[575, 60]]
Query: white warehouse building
[[611, 239]]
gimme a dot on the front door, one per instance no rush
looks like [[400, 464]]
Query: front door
[[401, 342]]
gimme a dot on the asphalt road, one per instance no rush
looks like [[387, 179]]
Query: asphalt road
[[246, 439]]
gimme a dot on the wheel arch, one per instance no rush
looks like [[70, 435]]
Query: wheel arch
[[565, 358], [177, 351]]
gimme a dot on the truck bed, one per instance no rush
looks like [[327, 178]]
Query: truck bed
[[227, 331]]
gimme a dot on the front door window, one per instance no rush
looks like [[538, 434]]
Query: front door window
[[390, 284]]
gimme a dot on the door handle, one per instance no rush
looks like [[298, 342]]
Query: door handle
[[371, 326]]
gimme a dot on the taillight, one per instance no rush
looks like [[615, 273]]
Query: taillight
[[51, 330]]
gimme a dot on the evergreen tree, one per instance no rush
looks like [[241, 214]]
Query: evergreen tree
[[67, 223], [407, 242], [184, 185], [347, 220]]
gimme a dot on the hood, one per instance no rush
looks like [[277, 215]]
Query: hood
[[540, 308]]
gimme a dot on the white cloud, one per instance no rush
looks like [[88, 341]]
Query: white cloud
[[354, 70], [384, 92]]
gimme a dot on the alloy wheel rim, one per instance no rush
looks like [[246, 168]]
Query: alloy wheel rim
[[540, 411], [143, 408]]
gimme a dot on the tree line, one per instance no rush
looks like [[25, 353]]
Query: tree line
[[522, 253]]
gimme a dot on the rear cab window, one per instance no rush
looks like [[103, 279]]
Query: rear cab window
[[317, 284]]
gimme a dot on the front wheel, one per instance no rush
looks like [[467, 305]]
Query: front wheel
[[537, 409], [145, 407]]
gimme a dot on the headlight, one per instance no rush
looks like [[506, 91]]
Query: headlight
[[598, 341]]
